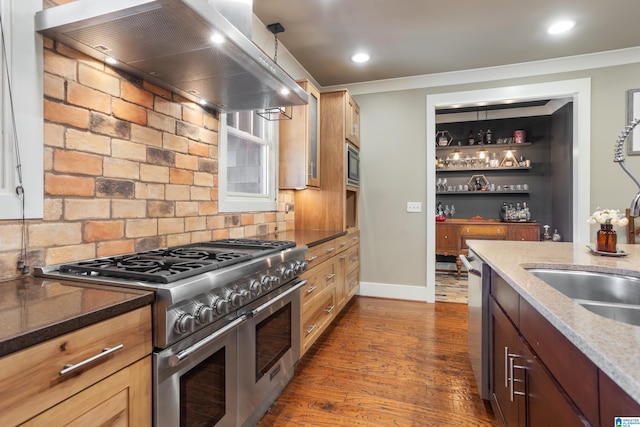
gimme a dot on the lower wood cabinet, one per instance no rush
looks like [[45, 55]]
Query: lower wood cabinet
[[332, 280], [540, 378], [524, 393], [48, 384]]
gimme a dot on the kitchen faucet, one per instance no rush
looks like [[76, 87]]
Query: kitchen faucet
[[619, 158]]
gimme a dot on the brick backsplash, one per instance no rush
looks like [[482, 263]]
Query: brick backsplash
[[128, 166]]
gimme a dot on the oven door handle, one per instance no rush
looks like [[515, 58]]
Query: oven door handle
[[176, 359], [269, 303]]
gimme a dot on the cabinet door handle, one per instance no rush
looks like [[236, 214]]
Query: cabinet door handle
[[343, 243], [311, 258], [308, 331], [330, 276], [354, 258], [512, 367], [343, 257], [311, 289], [68, 368], [507, 356], [330, 309], [330, 250]]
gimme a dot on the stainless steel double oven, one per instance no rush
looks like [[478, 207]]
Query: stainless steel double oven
[[231, 376]]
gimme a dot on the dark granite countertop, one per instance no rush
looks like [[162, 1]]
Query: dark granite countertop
[[305, 237], [34, 310]]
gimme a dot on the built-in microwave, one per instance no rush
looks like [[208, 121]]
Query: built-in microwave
[[353, 166]]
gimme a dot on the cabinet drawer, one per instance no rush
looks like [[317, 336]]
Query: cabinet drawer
[[316, 318], [506, 297], [320, 253], [353, 258], [483, 230], [318, 279], [352, 284], [348, 240], [571, 368], [32, 380]]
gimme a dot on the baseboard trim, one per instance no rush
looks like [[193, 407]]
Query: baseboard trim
[[388, 290]]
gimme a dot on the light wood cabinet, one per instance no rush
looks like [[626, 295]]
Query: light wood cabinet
[[333, 278], [114, 385], [300, 143], [452, 235], [352, 121], [333, 205]]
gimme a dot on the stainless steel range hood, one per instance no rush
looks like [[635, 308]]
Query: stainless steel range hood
[[169, 43]]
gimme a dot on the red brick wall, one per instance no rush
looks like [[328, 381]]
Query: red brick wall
[[128, 166]]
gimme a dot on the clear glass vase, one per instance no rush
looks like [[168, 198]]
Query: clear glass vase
[[606, 239]]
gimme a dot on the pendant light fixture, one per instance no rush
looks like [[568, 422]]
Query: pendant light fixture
[[276, 113]]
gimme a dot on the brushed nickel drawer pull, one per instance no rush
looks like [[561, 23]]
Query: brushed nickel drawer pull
[[330, 276], [330, 308], [308, 331], [354, 258], [343, 257], [343, 243], [68, 368], [330, 250], [311, 289], [312, 258]]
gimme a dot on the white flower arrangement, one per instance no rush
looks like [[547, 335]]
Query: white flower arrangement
[[608, 216]]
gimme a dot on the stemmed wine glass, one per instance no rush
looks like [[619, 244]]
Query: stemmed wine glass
[[439, 184], [446, 211], [444, 184], [452, 211]]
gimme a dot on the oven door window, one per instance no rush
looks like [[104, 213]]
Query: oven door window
[[273, 340], [202, 392]]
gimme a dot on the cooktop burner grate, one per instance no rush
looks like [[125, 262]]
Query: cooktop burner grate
[[159, 265]]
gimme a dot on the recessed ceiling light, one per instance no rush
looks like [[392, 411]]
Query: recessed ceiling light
[[561, 27], [284, 91], [110, 60], [360, 57]]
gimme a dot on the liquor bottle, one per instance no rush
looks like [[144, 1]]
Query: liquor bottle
[[487, 137]]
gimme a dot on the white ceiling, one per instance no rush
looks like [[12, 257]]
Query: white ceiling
[[418, 37]]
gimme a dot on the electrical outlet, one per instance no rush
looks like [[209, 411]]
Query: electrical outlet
[[288, 207], [414, 206]]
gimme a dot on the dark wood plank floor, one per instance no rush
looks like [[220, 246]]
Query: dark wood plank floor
[[386, 363]]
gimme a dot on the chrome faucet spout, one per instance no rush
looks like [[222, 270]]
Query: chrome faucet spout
[[619, 158], [635, 205]]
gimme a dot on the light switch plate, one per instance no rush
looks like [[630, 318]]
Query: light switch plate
[[414, 206]]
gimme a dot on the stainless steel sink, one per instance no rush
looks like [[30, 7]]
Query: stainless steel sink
[[610, 295]]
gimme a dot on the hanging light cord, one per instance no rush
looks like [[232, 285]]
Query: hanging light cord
[[19, 188]]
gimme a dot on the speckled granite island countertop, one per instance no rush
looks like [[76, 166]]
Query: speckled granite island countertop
[[612, 346], [34, 310]]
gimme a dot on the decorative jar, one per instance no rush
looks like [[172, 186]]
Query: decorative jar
[[606, 239]]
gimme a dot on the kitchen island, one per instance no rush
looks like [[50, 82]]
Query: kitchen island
[[612, 346]]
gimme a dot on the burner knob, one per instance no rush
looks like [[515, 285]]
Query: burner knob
[[256, 287], [235, 299], [268, 282], [301, 267], [204, 314], [288, 273], [185, 323], [246, 295], [220, 306]]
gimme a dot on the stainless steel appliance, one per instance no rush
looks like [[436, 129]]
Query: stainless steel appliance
[[226, 323], [201, 49], [479, 318], [353, 166]]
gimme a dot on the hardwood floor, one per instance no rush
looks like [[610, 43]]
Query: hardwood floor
[[386, 363]]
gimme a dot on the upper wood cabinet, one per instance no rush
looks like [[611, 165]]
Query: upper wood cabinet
[[352, 121], [300, 143], [334, 206]]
